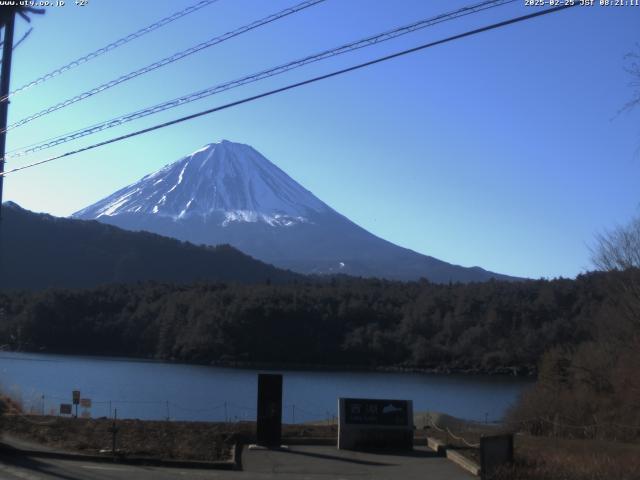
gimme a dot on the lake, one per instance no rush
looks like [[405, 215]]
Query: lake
[[155, 390]]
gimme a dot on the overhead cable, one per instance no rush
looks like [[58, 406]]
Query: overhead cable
[[280, 69], [295, 85], [165, 61], [107, 48]]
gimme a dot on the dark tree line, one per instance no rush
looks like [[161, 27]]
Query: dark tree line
[[592, 388], [39, 251], [496, 327]]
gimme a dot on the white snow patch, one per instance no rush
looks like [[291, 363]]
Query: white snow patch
[[179, 178], [186, 207], [225, 178], [111, 208], [251, 216]]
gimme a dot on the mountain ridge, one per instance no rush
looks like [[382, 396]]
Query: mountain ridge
[[41, 251], [228, 192]]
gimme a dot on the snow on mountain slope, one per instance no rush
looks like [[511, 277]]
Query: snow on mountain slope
[[224, 177], [229, 193]]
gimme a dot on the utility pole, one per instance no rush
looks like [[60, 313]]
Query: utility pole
[[7, 51], [7, 21]]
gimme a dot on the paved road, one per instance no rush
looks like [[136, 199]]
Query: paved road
[[300, 462], [14, 468], [315, 462]]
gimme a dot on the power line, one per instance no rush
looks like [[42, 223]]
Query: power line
[[166, 61], [280, 69], [296, 85], [107, 48], [22, 39]]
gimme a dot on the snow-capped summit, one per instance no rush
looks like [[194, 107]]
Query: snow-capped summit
[[229, 180], [227, 192]]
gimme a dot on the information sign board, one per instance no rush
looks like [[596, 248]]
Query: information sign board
[[371, 423], [375, 412]]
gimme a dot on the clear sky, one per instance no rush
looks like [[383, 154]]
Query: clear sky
[[503, 150]]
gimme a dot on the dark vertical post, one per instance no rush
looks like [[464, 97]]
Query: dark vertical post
[[269, 428], [495, 451], [114, 431], [7, 50]]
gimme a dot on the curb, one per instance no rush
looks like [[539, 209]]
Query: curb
[[147, 461], [309, 441], [443, 449], [236, 456], [437, 446], [469, 465]]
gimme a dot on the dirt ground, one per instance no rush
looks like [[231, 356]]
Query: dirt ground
[[536, 457], [159, 439]]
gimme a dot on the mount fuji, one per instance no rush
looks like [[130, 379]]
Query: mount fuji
[[228, 192]]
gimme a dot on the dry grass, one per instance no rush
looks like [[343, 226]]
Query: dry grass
[[171, 440], [548, 458], [543, 458], [9, 405]]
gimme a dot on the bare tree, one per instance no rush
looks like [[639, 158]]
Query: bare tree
[[633, 69], [618, 249]]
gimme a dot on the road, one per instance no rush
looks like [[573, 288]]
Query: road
[[29, 468], [300, 462]]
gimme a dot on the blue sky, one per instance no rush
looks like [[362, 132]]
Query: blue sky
[[503, 150]]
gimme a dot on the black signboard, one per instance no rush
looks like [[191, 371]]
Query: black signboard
[[359, 411], [269, 428]]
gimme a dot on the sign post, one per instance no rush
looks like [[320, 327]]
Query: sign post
[[269, 427], [76, 400], [367, 423], [114, 431]]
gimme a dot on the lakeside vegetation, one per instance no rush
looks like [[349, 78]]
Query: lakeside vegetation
[[581, 337], [492, 327]]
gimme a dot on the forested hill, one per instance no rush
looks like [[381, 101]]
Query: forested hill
[[39, 251], [483, 327]]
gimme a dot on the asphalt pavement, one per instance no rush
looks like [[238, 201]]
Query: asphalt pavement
[[298, 462], [30, 468]]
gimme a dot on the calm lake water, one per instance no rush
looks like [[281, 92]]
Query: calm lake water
[[154, 390]]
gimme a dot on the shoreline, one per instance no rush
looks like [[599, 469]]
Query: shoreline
[[520, 372]]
